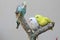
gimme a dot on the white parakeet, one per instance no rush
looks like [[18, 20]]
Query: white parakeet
[[33, 24]]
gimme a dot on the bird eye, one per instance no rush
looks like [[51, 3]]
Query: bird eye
[[31, 20], [37, 17]]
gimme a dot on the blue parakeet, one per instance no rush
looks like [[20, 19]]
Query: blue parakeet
[[20, 11]]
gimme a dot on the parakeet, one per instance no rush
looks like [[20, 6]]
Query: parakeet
[[42, 21], [20, 12], [33, 24]]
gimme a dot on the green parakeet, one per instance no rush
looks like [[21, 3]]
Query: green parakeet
[[42, 21]]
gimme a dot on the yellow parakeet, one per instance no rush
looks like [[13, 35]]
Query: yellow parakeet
[[42, 21]]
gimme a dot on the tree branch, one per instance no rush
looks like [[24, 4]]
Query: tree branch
[[25, 25], [44, 29]]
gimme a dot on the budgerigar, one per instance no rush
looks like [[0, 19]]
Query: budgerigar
[[33, 24], [20, 12], [42, 21]]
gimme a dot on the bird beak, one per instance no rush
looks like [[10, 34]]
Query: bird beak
[[19, 14]]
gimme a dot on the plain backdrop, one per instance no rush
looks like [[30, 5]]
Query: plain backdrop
[[49, 8]]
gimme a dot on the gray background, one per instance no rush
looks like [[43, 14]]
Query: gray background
[[49, 8]]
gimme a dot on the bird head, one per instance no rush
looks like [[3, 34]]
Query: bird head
[[21, 10]]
